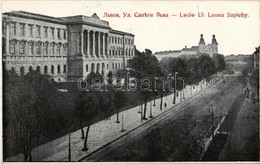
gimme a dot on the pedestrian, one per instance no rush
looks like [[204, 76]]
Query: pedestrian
[[165, 105]]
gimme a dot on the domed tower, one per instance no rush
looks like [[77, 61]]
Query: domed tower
[[214, 45], [202, 46]]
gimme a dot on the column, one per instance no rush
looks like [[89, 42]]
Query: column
[[99, 47], [107, 47], [94, 46], [81, 42], [104, 43], [7, 38], [88, 44]]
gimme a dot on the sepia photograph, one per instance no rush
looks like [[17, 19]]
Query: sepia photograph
[[130, 81]]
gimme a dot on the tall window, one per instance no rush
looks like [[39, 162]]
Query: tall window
[[38, 49], [3, 27], [65, 50], [30, 48], [45, 32], [22, 30], [58, 50], [58, 68], [45, 49], [30, 27], [12, 48], [64, 68], [58, 33], [52, 32], [22, 48], [52, 69], [38, 31], [13, 29], [86, 68], [64, 34], [52, 49]]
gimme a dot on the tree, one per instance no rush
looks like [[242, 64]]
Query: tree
[[219, 61], [145, 65], [88, 104], [206, 66]]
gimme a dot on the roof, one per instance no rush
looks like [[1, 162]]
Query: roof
[[193, 48], [167, 52], [24, 14], [121, 32]]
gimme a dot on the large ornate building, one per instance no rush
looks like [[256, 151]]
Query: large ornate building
[[66, 48], [209, 49]]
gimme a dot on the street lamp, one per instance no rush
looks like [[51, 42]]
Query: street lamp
[[175, 74], [182, 79]]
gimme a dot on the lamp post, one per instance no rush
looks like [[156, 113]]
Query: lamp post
[[182, 79], [175, 76]]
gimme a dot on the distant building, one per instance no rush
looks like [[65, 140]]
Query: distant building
[[255, 58], [66, 48], [194, 50]]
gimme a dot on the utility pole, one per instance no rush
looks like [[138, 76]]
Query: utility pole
[[175, 77], [69, 149]]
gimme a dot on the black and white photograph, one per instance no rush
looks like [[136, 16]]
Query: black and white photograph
[[130, 81]]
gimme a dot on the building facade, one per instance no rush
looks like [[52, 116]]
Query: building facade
[[209, 49], [256, 58], [66, 48]]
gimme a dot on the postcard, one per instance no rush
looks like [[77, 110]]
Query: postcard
[[130, 81]]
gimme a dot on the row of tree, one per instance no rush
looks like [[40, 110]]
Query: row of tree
[[35, 112]]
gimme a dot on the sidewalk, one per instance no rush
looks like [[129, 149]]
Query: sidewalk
[[102, 132]]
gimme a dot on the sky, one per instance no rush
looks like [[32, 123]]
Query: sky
[[238, 35]]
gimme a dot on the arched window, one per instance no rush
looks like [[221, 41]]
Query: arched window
[[64, 68], [92, 67], [58, 68], [30, 69], [98, 68], [103, 69], [107, 66], [116, 65], [86, 68], [22, 71], [52, 69], [45, 70], [113, 65], [38, 68]]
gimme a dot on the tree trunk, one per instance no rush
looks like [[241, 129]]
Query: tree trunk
[[86, 139], [117, 115], [154, 100], [161, 101], [82, 130], [144, 117]]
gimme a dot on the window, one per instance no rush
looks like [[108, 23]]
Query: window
[[58, 34], [30, 48], [3, 27], [30, 30], [45, 70], [58, 68], [52, 49], [13, 29], [45, 49], [22, 30], [45, 32], [58, 50], [52, 69], [65, 50], [64, 34], [21, 48], [12, 48], [86, 68], [52, 32], [38, 31], [38, 49], [64, 68]]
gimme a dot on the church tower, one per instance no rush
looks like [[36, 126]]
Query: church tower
[[202, 46], [214, 45]]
